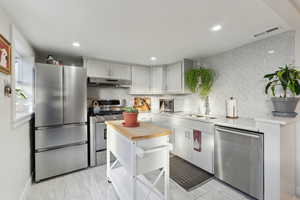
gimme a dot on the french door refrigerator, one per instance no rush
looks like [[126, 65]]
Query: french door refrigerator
[[60, 137]]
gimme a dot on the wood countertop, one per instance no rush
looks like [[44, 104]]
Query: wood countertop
[[146, 130]]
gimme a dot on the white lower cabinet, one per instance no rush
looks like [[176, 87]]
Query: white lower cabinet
[[184, 147], [183, 143], [204, 159]]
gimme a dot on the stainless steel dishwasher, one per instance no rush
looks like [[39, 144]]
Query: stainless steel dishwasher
[[238, 160]]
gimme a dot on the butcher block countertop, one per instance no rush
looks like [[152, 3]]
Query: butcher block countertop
[[146, 130]]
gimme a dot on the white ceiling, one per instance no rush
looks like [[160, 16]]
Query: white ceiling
[[134, 30]]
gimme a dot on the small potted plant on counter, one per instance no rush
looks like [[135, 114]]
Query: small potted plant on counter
[[130, 116], [287, 79]]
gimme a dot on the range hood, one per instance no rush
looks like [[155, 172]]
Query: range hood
[[108, 82]]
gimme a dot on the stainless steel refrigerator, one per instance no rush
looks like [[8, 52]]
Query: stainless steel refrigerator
[[60, 137]]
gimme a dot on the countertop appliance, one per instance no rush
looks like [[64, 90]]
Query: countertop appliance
[[238, 160], [109, 110], [60, 137]]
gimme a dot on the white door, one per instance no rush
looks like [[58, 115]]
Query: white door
[[204, 158], [98, 68], [120, 71], [174, 78], [140, 79], [157, 79]]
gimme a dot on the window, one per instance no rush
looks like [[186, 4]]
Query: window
[[24, 92]]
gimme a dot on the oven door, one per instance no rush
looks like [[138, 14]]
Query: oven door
[[100, 136]]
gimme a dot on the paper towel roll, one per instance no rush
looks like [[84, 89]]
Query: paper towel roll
[[231, 108]]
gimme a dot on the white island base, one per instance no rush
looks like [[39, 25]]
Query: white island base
[[137, 155]]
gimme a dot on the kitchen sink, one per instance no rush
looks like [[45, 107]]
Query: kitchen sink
[[201, 116]]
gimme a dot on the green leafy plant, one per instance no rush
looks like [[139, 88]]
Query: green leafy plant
[[130, 109], [200, 80], [287, 78], [20, 93]]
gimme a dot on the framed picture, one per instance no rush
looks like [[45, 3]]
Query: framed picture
[[5, 56], [142, 104]]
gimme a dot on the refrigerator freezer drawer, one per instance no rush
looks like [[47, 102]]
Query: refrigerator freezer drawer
[[59, 136], [60, 161]]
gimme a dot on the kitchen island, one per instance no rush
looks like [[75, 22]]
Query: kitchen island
[[138, 151]]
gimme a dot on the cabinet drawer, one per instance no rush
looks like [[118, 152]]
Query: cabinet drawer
[[58, 136], [60, 161]]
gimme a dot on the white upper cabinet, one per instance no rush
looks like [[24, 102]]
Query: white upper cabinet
[[174, 78], [120, 71], [97, 68], [157, 79], [105, 69], [140, 79]]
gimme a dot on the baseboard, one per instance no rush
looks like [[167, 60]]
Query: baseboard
[[26, 189]]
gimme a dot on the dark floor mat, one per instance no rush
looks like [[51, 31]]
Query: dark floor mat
[[187, 175]]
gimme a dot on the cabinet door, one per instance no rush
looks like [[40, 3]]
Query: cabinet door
[[174, 78], [98, 68], [183, 143], [204, 158], [157, 79], [140, 79], [120, 71]]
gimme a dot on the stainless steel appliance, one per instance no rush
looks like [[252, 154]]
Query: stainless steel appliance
[[109, 110], [60, 138], [238, 160], [108, 82]]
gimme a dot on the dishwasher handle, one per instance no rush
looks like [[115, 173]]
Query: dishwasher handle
[[237, 133]]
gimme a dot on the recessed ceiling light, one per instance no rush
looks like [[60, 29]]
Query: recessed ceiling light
[[271, 52], [216, 28], [76, 44], [153, 58]]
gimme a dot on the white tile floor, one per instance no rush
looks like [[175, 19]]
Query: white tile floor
[[91, 184]]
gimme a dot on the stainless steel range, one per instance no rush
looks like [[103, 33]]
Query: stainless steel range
[[101, 111]]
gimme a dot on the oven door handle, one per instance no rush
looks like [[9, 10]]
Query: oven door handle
[[105, 134]]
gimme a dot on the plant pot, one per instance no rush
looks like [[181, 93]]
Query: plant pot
[[130, 119], [285, 107]]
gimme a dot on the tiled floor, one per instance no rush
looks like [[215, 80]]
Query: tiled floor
[[91, 184]]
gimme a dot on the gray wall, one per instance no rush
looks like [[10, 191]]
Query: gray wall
[[240, 73], [14, 142]]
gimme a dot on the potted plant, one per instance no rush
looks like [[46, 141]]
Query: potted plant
[[201, 81], [130, 115], [287, 79]]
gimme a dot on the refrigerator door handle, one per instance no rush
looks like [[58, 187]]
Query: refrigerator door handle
[[66, 126], [60, 147]]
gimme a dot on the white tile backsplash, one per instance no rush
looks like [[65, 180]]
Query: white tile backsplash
[[240, 73]]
